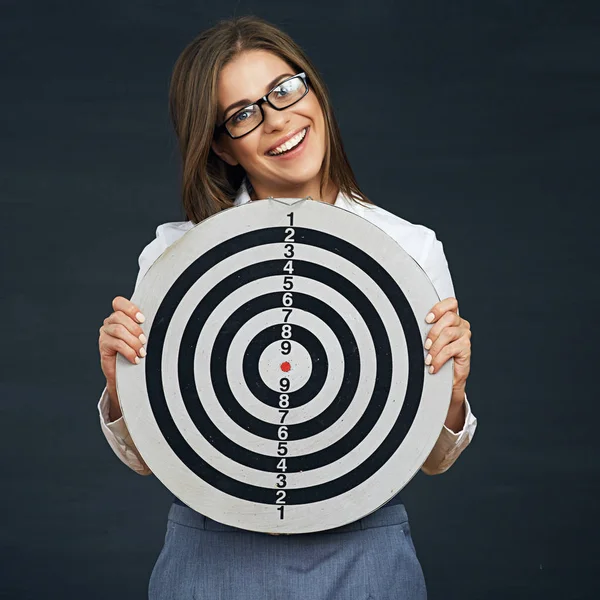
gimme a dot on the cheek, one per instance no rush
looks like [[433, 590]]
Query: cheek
[[316, 114], [245, 150]]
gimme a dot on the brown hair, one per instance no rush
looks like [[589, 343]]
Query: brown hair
[[208, 183]]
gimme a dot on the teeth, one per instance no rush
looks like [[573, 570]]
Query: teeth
[[291, 143]]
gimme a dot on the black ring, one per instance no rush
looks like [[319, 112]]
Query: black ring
[[251, 361], [226, 397]]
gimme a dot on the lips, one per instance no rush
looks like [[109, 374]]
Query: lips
[[280, 147]]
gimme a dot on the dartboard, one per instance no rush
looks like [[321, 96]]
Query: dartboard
[[284, 387]]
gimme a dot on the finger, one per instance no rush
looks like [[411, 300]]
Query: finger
[[447, 336], [119, 331], [449, 319], [457, 348], [443, 306], [129, 308], [110, 345], [123, 319]]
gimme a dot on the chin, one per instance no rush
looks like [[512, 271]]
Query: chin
[[297, 177], [302, 176]]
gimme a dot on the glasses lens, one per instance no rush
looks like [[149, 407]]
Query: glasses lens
[[288, 92], [244, 120]]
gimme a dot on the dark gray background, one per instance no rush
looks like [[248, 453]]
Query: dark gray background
[[478, 119]]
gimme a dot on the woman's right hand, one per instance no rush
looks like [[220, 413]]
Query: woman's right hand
[[120, 334]]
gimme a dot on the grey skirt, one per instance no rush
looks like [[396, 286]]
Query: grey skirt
[[373, 558]]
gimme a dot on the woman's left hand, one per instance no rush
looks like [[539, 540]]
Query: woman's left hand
[[450, 337]]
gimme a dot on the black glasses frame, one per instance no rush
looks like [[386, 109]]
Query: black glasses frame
[[223, 126]]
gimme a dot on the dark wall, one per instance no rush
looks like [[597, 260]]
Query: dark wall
[[480, 120]]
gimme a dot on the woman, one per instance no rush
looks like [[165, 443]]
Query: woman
[[237, 149]]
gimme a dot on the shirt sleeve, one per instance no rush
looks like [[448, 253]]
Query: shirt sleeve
[[449, 444], [116, 433], [118, 438]]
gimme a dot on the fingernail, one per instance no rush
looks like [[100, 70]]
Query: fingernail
[[137, 360], [428, 359], [140, 317], [428, 343], [430, 317], [431, 369], [144, 340], [142, 351]]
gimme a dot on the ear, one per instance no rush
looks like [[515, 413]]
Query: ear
[[222, 153]]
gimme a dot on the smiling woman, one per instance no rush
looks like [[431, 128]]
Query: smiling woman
[[253, 120], [287, 153], [250, 65]]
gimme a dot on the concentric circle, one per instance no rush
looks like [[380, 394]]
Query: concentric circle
[[258, 399], [284, 387], [264, 366]]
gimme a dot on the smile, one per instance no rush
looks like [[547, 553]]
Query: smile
[[290, 144]]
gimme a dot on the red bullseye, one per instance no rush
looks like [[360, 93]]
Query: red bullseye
[[285, 366]]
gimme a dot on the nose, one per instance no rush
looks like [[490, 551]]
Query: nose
[[275, 120]]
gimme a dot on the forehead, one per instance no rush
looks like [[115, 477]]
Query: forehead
[[248, 75]]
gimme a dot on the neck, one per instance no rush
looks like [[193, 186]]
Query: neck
[[312, 189]]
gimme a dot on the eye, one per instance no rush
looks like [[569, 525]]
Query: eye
[[244, 114], [286, 88]]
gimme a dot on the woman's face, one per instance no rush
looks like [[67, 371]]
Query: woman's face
[[248, 77]]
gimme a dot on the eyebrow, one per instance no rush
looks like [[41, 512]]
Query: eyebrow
[[246, 102]]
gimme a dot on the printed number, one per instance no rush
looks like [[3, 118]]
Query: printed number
[[284, 383], [286, 347], [288, 299]]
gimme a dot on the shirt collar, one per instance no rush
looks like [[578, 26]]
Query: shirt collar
[[341, 201]]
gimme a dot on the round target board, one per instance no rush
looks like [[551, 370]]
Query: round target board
[[284, 388]]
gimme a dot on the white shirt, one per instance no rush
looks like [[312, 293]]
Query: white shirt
[[417, 240]]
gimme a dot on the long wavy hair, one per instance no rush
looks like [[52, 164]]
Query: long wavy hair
[[209, 184]]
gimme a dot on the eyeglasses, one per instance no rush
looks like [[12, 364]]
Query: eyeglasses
[[282, 96]]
